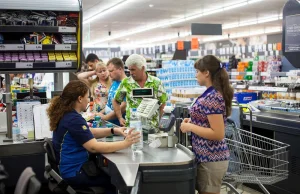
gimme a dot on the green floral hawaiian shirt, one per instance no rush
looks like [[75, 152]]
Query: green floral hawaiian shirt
[[125, 89]]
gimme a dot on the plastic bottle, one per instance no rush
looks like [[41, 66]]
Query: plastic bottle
[[136, 123], [16, 131], [99, 121]]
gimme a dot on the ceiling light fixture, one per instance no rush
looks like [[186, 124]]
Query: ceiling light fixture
[[154, 26], [227, 26], [151, 5], [105, 11], [253, 22], [244, 34]]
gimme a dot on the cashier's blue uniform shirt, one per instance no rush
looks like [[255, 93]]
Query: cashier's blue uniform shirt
[[72, 132]]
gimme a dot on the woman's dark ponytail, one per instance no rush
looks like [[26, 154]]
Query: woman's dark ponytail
[[221, 84]]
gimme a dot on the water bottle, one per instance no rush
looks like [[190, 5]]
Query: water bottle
[[99, 121], [16, 131], [136, 124]]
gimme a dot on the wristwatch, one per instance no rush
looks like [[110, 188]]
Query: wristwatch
[[112, 131]]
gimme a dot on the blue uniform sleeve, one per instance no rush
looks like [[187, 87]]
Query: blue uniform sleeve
[[79, 130]]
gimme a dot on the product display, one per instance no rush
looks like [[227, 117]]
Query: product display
[[176, 74], [37, 57], [38, 18], [186, 94]]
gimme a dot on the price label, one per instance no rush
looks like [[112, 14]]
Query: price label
[[265, 74], [249, 73], [63, 47], [67, 29], [24, 65], [65, 64], [235, 73], [240, 86], [34, 47], [11, 47]]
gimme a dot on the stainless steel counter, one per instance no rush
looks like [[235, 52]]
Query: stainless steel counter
[[128, 162], [281, 122]]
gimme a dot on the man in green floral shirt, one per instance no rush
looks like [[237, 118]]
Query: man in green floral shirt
[[139, 78]]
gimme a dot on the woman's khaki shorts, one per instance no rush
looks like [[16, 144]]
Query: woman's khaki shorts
[[210, 175]]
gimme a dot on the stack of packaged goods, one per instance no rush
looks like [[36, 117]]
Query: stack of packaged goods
[[241, 68], [186, 94], [177, 74]]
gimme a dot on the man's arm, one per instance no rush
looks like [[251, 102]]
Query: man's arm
[[112, 115], [85, 76], [161, 109], [117, 108]]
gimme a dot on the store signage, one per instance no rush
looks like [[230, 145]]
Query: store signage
[[65, 64], [279, 45], [206, 29], [173, 47], [67, 29], [34, 47], [63, 47], [180, 45], [24, 65], [11, 47], [292, 33], [195, 44]]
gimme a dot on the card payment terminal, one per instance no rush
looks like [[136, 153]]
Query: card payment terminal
[[166, 122]]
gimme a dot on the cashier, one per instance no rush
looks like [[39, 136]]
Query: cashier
[[207, 124], [139, 78], [73, 140]]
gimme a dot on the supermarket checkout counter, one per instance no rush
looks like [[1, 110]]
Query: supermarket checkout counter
[[158, 170], [17, 156], [154, 170], [284, 127]]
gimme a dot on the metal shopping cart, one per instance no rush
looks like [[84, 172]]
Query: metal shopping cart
[[254, 158]]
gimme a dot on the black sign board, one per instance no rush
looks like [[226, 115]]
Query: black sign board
[[292, 33]]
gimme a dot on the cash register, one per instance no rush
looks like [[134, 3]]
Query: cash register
[[146, 109]]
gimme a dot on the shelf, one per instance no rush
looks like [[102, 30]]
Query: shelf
[[46, 29], [241, 87], [38, 47], [268, 89], [288, 82], [274, 74], [33, 66]]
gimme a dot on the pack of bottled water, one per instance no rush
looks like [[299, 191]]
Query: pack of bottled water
[[177, 74]]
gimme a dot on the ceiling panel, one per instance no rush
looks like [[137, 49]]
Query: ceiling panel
[[136, 14]]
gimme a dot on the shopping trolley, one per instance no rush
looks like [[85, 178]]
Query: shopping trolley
[[254, 158]]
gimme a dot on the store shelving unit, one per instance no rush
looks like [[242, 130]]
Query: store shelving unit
[[33, 44], [50, 66], [246, 84]]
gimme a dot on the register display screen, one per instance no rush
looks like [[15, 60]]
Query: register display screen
[[142, 92]]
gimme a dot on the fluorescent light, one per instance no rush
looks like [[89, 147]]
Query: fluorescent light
[[249, 23], [254, 1], [253, 22], [235, 6], [102, 12], [244, 34], [206, 12]]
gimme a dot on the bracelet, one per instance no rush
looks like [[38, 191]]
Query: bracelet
[[112, 131]]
